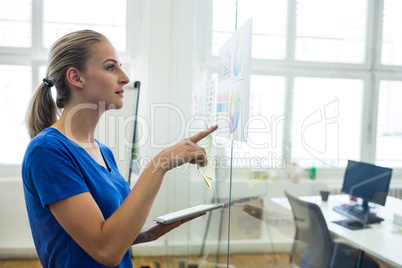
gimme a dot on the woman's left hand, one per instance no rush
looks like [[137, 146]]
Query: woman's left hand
[[159, 229]]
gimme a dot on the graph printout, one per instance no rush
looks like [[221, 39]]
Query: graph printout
[[233, 93], [203, 105]]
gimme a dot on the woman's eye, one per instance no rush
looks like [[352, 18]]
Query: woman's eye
[[110, 68]]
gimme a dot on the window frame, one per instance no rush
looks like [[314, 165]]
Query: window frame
[[371, 71], [37, 55]]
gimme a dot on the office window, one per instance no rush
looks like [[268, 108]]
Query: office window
[[26, 63], [269, 25], [15, 23], [267, 119], [331, 31], [14, 98], [391, 53], [61, 17], [323, 48], [327, 116], [223, 23], [389, 124]]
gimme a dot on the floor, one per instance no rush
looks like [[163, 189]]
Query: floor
[[279, 260], [246, 260]]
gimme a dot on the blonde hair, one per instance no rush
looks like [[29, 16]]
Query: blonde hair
[[71, 50]]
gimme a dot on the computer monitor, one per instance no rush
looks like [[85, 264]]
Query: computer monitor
[[368, 182]]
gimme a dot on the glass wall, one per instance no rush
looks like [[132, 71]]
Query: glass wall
[[323, 89]]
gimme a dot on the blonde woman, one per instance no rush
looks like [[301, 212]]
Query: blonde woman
[[81, 210]]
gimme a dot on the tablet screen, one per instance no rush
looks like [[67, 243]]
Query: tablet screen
[[187, 212]]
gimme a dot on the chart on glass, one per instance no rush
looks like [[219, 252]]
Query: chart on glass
[[204, 103], [204, 98], [233, 92]]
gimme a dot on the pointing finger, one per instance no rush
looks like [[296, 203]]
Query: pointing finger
[[200, 135]]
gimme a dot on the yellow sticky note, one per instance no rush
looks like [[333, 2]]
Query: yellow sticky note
[[210, 169], [208, 180], [208, 172]]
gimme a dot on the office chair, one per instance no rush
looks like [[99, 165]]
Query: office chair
[[313, 246]]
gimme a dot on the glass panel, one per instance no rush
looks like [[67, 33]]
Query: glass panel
[[327, 116], [15, 23], [391, 53], [331, 31], [223, 23], [109, 18], [210, 233], [256, 167], [269, 25], [267, 117], [14, 101], [325, 125], [389, 124]]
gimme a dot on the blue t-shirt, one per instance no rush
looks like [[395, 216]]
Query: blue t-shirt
[[55, 168]]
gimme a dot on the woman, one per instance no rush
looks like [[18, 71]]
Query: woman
[[81, 210]]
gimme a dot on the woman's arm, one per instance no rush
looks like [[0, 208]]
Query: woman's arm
[[159, 229], [108, 240]]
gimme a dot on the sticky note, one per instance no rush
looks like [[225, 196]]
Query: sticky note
[[208, 180]]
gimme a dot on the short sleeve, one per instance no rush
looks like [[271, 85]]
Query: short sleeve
[[54, 174]]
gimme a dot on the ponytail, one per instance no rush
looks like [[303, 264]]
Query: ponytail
[[72, 50], [42, 112]]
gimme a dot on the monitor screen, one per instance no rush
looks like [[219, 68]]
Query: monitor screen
[[367, 181]]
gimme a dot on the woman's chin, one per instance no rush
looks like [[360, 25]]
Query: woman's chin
[[115, 106]]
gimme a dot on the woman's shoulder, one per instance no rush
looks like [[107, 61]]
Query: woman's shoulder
[[48, 135], [48, 139], [46, 146]]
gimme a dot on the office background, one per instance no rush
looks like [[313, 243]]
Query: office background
[[336, 63]]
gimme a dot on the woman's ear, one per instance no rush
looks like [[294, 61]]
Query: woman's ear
[[74, 77]]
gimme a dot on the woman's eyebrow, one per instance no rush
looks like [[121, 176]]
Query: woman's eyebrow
[[113, 60]]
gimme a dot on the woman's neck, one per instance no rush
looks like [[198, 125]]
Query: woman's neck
[[78, 123]]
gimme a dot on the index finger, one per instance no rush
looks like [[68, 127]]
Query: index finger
[[200, 135]]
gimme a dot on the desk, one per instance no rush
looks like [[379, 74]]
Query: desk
[[379, 240]]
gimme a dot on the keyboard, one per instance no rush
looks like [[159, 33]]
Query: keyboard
[[356, 214]]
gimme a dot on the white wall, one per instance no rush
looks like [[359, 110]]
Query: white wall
[[15, 233]]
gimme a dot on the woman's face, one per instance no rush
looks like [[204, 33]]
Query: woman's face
[[103, 78]]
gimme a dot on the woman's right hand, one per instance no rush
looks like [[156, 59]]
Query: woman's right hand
[[187, 151]]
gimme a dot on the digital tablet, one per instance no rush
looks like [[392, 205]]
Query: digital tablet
[[187, 212]]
